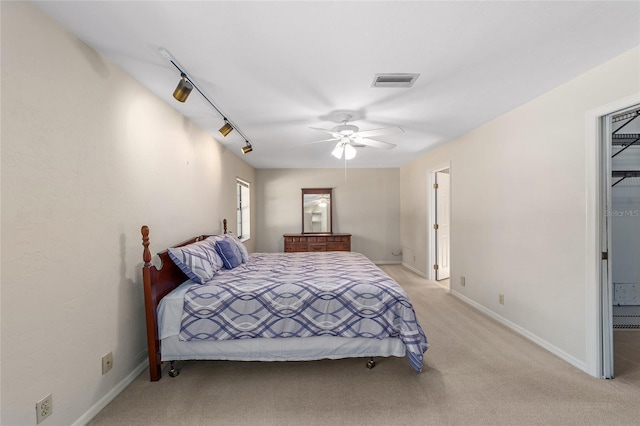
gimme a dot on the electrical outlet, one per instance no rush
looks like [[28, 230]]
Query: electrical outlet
[[501, 299], [107, 362], [44, 408], [462, 281]]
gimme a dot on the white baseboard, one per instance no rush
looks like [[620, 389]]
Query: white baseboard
[[414, 270], [111, 395], [525, 333], [387, 262], [423, 275]]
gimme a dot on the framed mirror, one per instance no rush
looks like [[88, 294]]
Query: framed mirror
[[317, 211]]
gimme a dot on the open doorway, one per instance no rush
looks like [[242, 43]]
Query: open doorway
[[439, 225], [620, 282]]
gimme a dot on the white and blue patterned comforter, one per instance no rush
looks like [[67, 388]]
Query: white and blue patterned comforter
[[279, 295]]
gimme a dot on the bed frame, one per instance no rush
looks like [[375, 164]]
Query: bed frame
[[157, 284]]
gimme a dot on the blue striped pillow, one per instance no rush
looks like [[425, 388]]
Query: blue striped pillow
[[229, 253]]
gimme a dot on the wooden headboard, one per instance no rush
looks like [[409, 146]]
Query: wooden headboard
[[157, 284]]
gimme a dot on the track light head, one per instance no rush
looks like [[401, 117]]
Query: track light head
[[184, 88], [247, 148], [226, 129]]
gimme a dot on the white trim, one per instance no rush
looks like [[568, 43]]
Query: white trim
[[387, 262], [594, 205], [244, 185], [111, 395], [414, 270], [525, 333], [431, 215], [243, 182], [423, 275]]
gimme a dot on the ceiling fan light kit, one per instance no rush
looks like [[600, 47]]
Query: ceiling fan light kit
[[349, 137], [346, 148], [349, 152], [337, 151]]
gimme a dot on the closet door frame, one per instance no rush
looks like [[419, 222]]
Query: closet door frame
[[599, 346]]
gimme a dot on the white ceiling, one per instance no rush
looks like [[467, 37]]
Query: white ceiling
[[277, 68]]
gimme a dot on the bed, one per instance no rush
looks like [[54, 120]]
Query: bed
[[272, 306]]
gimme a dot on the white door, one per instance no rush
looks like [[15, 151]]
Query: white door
[[442, 225]]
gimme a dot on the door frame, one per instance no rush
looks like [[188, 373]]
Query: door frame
[[431, 217], [596, 205]]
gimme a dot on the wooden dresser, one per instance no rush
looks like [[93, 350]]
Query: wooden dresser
[[316, 242]]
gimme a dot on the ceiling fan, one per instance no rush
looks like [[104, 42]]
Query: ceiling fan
[[349, 137]]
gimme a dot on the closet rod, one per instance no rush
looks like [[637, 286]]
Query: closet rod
[[626, 147], [624, 174], [623, 138]]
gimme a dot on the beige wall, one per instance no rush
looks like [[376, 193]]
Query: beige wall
[[366, 205], [88, 157], [519, 208]]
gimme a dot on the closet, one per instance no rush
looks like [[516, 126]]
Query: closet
[[625, 218]]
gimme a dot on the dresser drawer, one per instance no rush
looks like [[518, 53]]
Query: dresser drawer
[[295, 247], [316, 242], [338, 247]]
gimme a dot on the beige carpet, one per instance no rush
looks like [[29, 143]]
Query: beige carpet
[[476, 372]]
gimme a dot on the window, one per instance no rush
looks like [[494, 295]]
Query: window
[[243, 209]]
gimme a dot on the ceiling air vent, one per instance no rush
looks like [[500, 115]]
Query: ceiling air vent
[[394, 80]]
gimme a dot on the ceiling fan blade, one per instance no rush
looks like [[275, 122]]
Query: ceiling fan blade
[[332, 133], [374, 143], [380, 132], [325, 140]]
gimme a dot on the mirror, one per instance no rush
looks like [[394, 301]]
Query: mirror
[[316, 211]]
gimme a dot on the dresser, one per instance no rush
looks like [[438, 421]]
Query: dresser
[[316, 242]]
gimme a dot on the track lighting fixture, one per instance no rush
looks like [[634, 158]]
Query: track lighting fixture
[[184, 88], [187, 84], [247, 148], [226, 129]]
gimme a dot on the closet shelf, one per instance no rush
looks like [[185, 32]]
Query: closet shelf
[[624, 139], [624, 174]]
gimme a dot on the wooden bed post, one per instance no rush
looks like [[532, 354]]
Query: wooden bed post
[[153, 344], [224, 225]]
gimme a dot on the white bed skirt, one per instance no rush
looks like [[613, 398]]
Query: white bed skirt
[[285, 349]]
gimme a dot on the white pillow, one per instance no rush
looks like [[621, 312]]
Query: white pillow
[[199, 260], [244, 253]]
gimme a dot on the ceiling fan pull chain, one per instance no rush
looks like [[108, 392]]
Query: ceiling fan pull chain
[[345, 168]]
